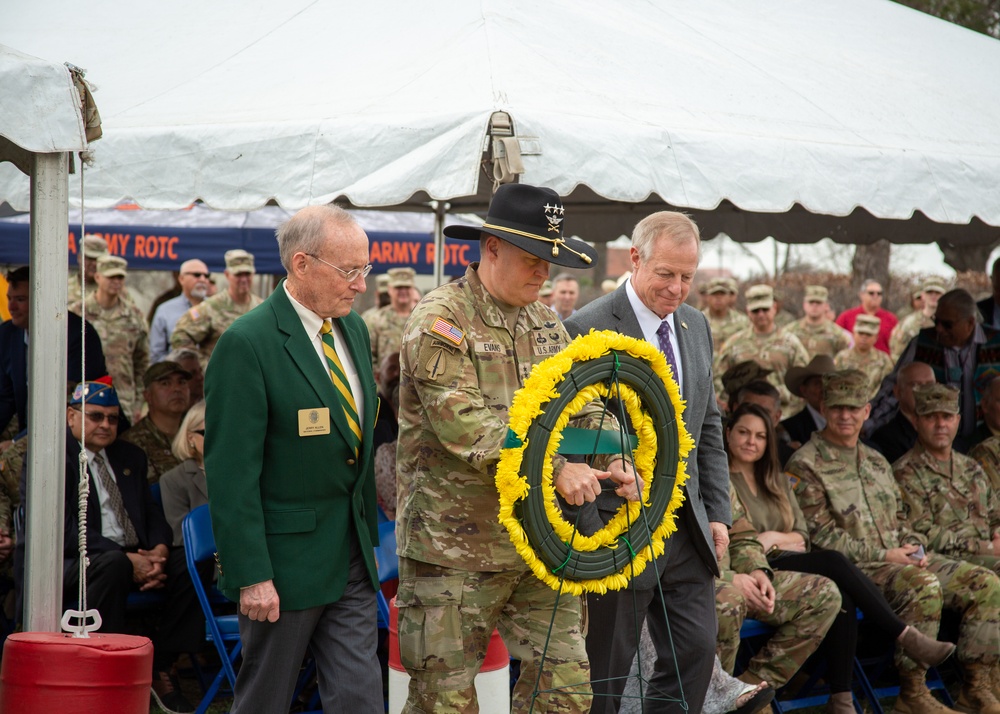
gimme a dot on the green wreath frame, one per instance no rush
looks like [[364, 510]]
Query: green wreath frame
[[599, 364]]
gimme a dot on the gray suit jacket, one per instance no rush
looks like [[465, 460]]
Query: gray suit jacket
[[707, 489]]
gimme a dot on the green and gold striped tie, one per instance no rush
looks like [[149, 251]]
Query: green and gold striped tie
[[339, 378]]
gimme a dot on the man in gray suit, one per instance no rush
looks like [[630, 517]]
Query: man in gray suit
[[650, 305]]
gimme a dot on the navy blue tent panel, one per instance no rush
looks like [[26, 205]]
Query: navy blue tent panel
[[160, 248]]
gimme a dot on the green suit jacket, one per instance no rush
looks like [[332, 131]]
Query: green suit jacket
[[283, 505]]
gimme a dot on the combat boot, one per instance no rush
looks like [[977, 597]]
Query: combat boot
[[977, 694], [915, 698], [925, 651]]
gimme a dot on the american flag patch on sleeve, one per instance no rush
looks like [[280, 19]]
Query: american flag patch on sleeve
[[448, 331]]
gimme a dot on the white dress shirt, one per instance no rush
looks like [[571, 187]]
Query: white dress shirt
[[313, 325], [649, 323], [110, 527]]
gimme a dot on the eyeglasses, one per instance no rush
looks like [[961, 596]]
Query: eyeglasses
[[349, 275], [99, 417], [199, 432], [198, 275], [874, 293]]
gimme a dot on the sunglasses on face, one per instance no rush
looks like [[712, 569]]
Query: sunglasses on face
[[874, 293], [98, 417], [198, 275]]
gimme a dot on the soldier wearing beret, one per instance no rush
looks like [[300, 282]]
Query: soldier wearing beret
[[468, 346], [385, 327], [764, 342], [201, 326], [863, 355], [818, 333], [723, 319], [947, 495], [852, 504], [123, 330], [166, 391], [909, 326]]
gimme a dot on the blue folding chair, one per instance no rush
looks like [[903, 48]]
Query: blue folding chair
[[221, 630]]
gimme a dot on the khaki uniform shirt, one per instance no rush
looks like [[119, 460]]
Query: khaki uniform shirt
[[201, 326], [125, 340], [951, 502]]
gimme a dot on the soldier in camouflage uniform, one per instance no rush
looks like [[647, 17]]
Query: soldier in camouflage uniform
[[818, 333], [946, 494], [800, 606], [766, 344], [863, 355], [381, 300], [123, 330], [385, 327], [168, 396], [469, 345], [987, 453], [852, 504], [201, 326], [723, 320], [909, 326], [91, 248]]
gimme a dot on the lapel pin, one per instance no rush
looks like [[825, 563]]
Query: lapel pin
[[684, 325]]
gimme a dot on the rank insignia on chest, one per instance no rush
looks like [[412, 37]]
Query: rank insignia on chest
[[448, 331]]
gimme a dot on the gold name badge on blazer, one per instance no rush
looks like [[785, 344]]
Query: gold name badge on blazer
[[313, 422]]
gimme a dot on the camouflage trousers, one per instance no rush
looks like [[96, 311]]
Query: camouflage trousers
[[446, 619], [990, 562], [918, 595], [804, 608], [731, 610]]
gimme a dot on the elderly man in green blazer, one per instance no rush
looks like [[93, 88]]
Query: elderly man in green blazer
[[290, 405]]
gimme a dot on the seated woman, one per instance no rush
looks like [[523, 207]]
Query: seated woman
[[765, 492], [183, 488]]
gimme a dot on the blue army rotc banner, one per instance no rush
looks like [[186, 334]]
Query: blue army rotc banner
[[159, 248]]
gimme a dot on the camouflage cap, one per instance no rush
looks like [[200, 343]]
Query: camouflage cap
[[795, 377], [934, 284], [936, 397], [733, 286], [845, 388], [546, 289], [717, 285], [758, 296], [867, 324], [401, 277], [608, 286], [94, 246], [112, 266], [916, 294], [816, 293], [239, 261], [382, 283], [163, 369], [741, 374]]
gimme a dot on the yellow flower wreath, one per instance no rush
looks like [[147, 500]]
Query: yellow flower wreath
[[529, 402]]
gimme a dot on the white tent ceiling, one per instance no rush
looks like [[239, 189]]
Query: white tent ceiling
[[854, 119]]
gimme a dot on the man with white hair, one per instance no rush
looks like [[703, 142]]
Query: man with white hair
[[193, 280]]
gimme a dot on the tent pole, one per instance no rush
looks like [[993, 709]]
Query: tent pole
[[440, 210], [47, 392]]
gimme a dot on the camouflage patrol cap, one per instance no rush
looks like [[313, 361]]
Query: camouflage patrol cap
[[94, 246], [759, 296], [717, 285], [867, 324], [382, 283], [401, 277], [733, 286], [608, 286], [741, 374], [816, 293], [163, 369], [845, 388], [915, 295], [112, 266], [546, 289], [936, 397], [934, 284], [238, 261]]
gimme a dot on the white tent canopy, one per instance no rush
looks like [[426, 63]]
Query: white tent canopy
[[855, 119]]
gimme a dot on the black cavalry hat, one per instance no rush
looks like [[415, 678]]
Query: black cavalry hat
[[531, 218]]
